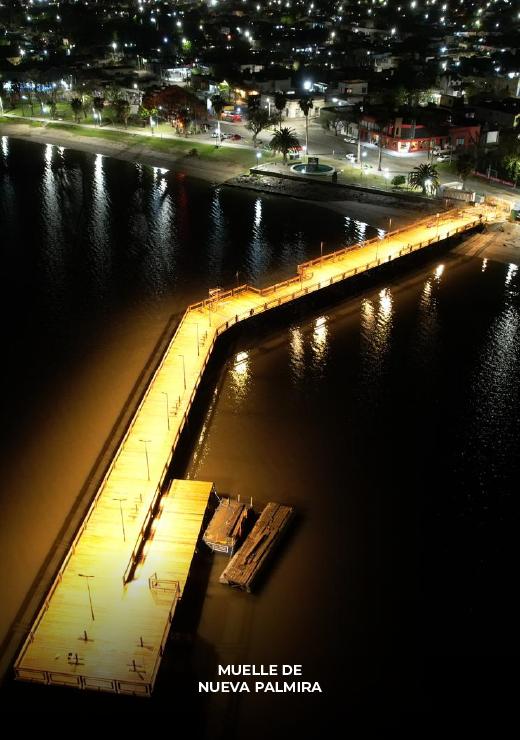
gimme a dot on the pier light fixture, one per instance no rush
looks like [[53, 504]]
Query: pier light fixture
[[183, 370], [146, 440], [83, 575]]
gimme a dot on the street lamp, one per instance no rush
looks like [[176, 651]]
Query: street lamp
[[122, 519], [141, 439], [198, 345], [183, 369], [258, 157], [82, 575], [167, 409]]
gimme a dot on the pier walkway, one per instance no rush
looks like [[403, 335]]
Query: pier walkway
[[107, 615]]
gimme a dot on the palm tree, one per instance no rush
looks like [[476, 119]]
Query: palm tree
[[424, 176], [283, 141], [98, 103], [306, 104], [465, 165], [280, 99], [218, 103], [77, 106]]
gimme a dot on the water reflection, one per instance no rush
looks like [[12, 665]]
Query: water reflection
[[376, 335], [52, 256], [5, 148], [492, 429], [218, 237], [240, 379], [259, 252], [320, 345], [355, 231], [296, 354], [484, 264], [98, 232]]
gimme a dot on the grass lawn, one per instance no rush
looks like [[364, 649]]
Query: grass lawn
[[20, 119]]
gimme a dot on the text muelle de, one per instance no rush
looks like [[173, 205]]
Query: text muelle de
[[253, 670]]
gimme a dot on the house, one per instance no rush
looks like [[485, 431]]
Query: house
[[503, 113], [405, 133]]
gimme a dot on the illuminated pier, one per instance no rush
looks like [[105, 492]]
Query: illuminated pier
[[106, 617]]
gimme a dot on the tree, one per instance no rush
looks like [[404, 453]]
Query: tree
[[306, 105], [218, 103], [398, 180], [77, 106], [509, 151], [98, 103], [122, 108], [283, 141], [259, 121], [424, 176], [253, 104], [465, 165], [280, 99]]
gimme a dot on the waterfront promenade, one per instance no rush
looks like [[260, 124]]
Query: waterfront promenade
[[107, 615]]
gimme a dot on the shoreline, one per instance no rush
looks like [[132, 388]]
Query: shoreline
[[138, 152], [373, 213]]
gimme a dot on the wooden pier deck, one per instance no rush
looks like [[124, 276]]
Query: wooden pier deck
[[115, 534], [105, 636]]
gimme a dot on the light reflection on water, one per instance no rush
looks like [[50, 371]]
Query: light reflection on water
[[492, 434]]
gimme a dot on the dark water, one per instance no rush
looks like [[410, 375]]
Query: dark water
[[391, 423]]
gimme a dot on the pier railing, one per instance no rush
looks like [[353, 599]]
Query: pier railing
[[305, 273]]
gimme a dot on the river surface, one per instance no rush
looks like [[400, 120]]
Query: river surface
[[390, 422]]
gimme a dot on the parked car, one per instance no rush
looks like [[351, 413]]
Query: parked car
[[235, 137], [226, 136], [443, 157], [214, 134], [350, 157], [367, 166], [349, 140]]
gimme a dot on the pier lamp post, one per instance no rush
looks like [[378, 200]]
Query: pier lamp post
[[122, 518], [321, 251], [198, 345], [183, 369], [167, 408], [82, 575], [141, 439], [437, 230]]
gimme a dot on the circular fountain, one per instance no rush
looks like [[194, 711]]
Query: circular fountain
[[313, 169]]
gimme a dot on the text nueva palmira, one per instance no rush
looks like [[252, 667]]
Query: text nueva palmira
[[277, 687]]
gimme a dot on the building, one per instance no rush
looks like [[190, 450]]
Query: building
[[405, 134]]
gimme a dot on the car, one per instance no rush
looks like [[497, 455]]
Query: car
[[443, 157], [367, 166], [214, 135], [235, 137], [226, 136], [350, 157], [349, 140]]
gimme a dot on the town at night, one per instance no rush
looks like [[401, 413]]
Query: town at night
[[261, 404]]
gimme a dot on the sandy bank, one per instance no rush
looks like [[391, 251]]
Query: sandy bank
[[135, 152], [373, 209]]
